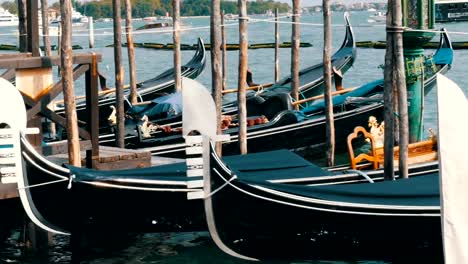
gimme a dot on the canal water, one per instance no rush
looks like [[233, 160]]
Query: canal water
[[197, 247]]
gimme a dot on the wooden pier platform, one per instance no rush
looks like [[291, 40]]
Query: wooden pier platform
[[111, 158]]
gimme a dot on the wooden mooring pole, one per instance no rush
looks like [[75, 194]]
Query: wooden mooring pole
[[119, 102], [327, 73], [47, 48], [295, 42], [395, 79], [33, 27], [243, 60], [59, 40], [130, 51], [91, 32], [22, 28], [176, 37], [277, 44], [66, 59], [223, 50], [45, 27], [389, 138], [216, 69], [399, 81]]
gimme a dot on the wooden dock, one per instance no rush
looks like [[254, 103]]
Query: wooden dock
[[111, 158]]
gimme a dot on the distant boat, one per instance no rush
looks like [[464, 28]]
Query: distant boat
[[8, 19], [150, 19], [379, 17], [78, 19], [156, 25], [231, 17], [372, 10], [166, 17], [105, 20], [451, 11]]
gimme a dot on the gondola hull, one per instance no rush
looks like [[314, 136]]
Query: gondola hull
[[264, 221], [65, 200]]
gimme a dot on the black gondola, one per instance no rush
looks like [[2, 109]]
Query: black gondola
[[249, 218], [65, 200], [254, 219], [311, 78], [146, 90], [304, 130]]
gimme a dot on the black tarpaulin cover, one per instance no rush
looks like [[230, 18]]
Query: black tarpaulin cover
[[260, 165]]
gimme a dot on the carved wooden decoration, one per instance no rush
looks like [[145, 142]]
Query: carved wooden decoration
[[363, 156]]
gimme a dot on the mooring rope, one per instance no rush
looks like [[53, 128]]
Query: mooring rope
[[358, 172], [41, 184], [227, 182], [253, 194]]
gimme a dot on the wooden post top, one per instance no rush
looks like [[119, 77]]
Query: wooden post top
[[26, 61]]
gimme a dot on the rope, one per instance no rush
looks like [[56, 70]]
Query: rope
[[358, 172], [42, 184], [252, 194], [227, 182], [70, 180], [395, 29]]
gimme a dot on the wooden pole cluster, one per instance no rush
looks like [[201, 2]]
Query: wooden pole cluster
[[395, 88], [91, 32], [66, 59], [277, 44], [22, 26], [118, 74], [130, 51], [327, 79], [45, 27], [33, 27], [241, 84], [176, 37], [295, 42], [216, 69], [223, 50]]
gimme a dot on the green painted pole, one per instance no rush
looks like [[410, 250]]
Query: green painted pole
[[431, 13], [404, 5], [420, 14], [415, 60]]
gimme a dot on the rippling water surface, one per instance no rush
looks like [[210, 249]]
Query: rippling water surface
[[197, 247]]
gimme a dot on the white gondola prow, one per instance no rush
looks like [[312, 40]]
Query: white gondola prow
[[199, 115], [12, 121], [453, 164], [11, 162]]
